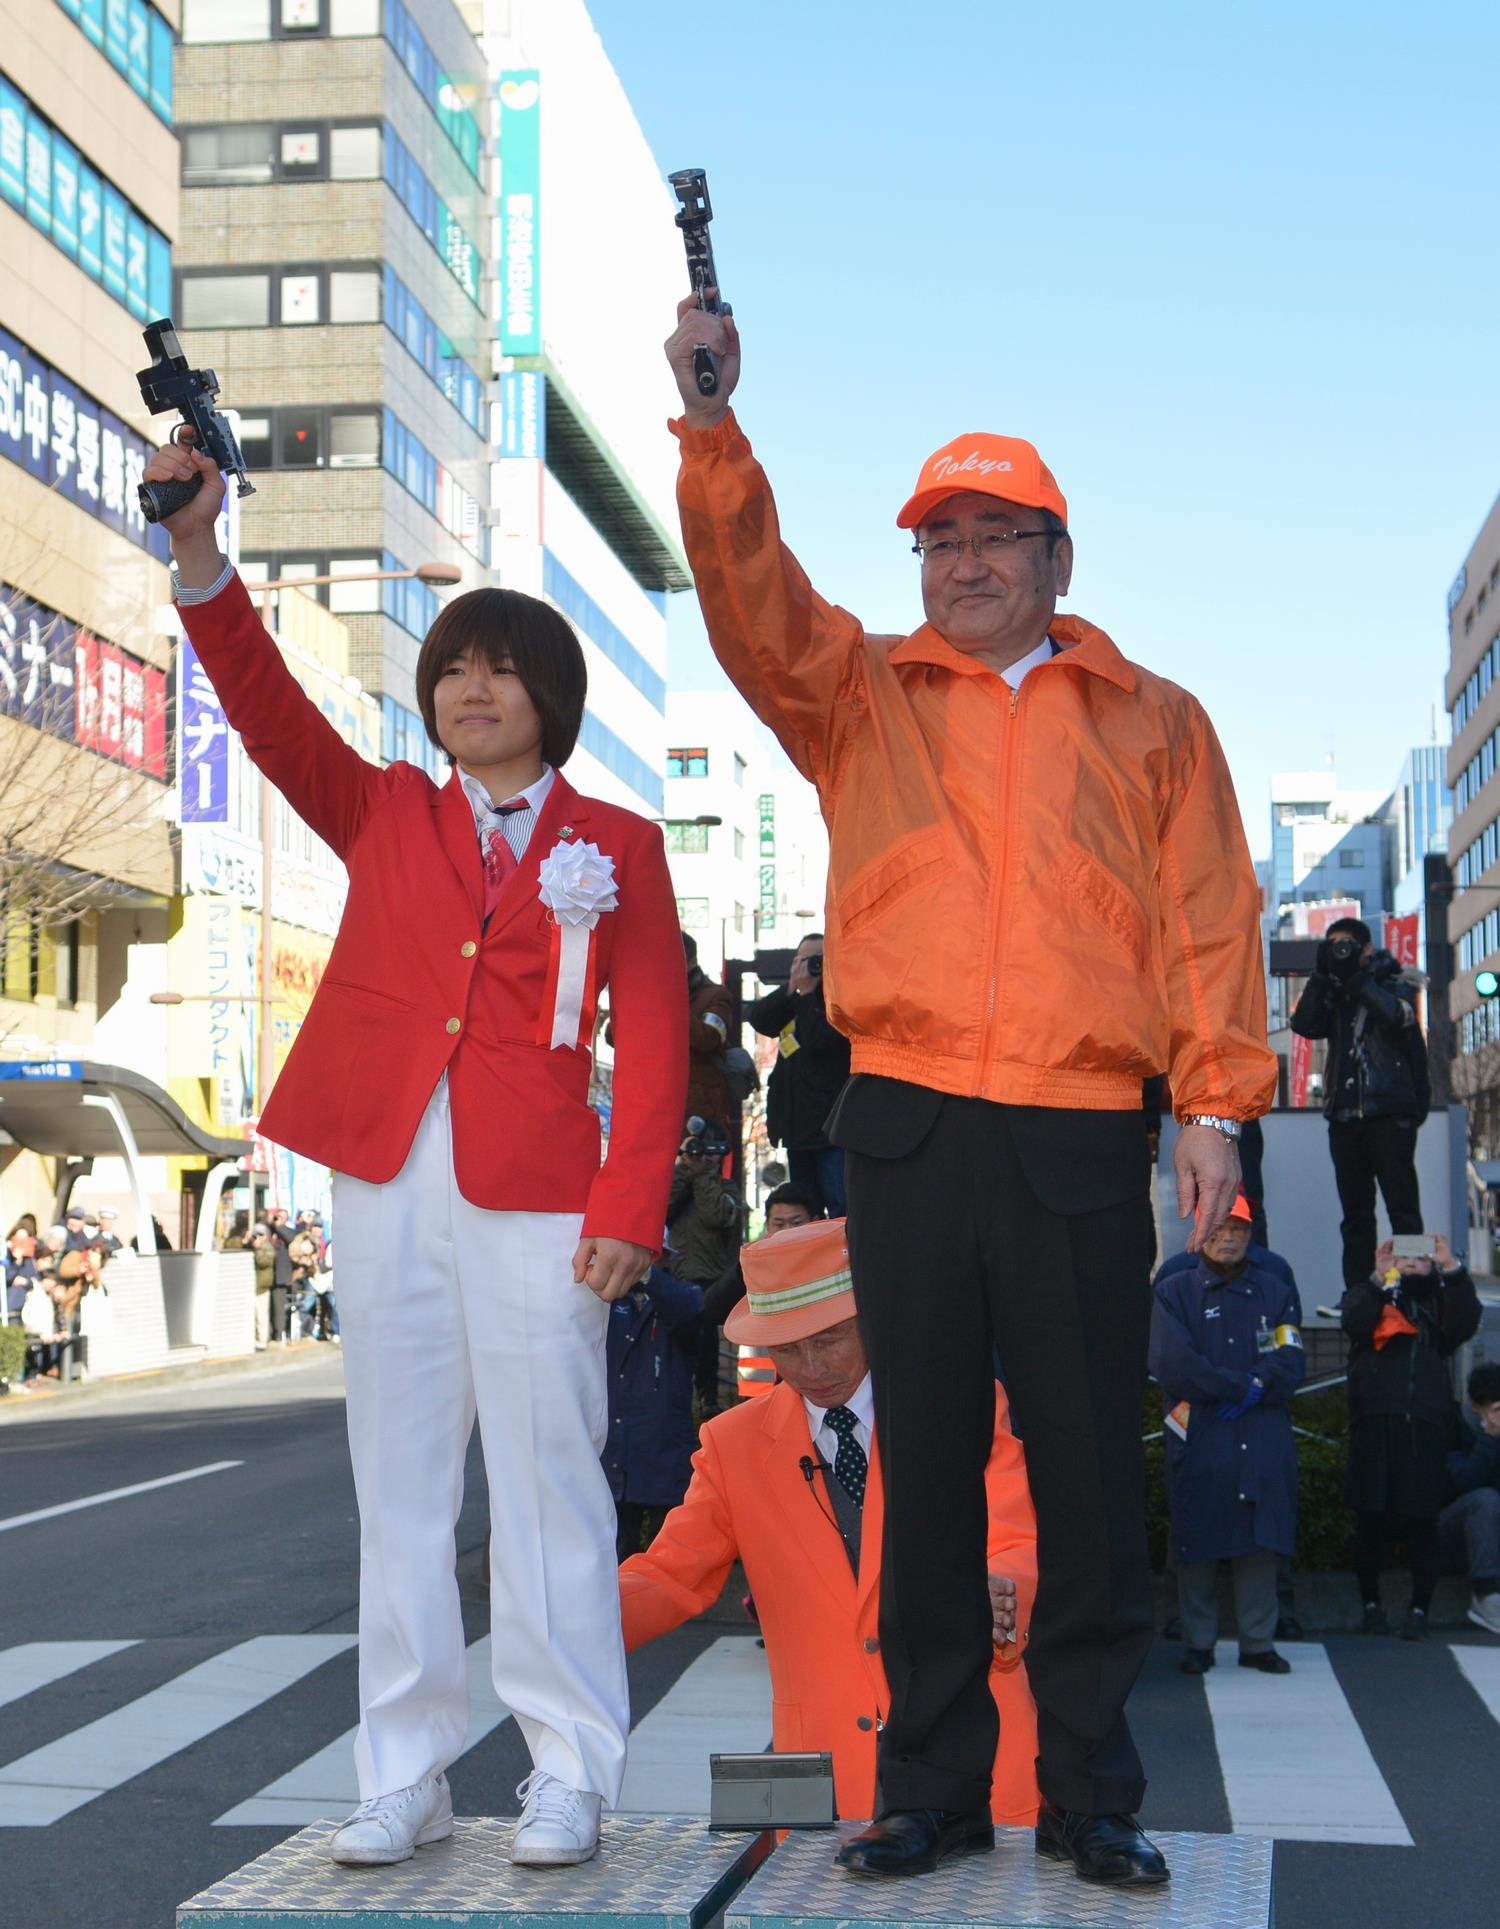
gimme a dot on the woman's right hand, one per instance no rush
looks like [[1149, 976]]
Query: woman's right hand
[[193, 524]]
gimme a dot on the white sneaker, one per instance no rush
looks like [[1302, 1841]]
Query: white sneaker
[[558, 1825], [391, 1827], [1484, 1612]]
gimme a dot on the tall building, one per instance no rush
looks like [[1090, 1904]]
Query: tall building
[[590, 269], [1472, 692], [88, 218], [746, 846], [335, 269]]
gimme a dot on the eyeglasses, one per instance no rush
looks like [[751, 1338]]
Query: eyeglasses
[[988, 548]]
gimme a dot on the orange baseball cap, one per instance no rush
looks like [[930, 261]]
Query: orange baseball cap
[[796, 1284], [990, 465], [1241, 1209]]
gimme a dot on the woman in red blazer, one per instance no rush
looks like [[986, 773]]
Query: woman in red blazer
[[443, 1073]]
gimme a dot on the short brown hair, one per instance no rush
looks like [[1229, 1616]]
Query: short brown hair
[[513, 631]]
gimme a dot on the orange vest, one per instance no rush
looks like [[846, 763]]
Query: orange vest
[[748, 1501], [1039, 896]]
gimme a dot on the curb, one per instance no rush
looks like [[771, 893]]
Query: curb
[[20, 1406]]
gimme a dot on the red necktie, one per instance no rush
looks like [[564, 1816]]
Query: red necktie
[[499, 859]]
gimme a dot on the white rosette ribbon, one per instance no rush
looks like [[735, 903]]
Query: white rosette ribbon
[[576, 883]]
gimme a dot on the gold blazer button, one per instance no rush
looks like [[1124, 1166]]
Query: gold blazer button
[[453, 1025]]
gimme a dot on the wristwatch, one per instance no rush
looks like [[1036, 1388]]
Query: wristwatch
[[1226, 1128]]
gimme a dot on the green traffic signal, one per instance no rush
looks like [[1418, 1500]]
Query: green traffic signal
[[1486, 983]]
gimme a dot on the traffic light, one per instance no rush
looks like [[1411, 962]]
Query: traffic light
[[1487, 984]]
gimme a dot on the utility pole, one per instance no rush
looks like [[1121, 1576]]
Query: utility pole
[[1437, 892]]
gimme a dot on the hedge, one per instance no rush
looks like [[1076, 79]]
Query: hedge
[[12, 1352]]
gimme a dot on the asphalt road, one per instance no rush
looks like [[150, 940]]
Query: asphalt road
[[182, 1576]]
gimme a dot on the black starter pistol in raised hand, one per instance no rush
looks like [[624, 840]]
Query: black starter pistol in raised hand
[[170, 384], [693, 217]]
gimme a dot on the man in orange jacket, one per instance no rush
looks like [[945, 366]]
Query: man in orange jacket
[[790, 1485], [1039, 895]]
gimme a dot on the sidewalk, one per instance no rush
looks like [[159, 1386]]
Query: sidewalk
[[53, 1396]]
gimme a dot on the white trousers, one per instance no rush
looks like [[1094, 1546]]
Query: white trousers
[[447, 1309]]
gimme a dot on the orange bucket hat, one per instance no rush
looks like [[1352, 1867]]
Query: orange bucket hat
[[797, 1283], [990, 465]]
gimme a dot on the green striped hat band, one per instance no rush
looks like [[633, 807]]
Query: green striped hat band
[[790, 1298]]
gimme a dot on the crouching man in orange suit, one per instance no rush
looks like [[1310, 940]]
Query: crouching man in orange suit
[[790, 1485]]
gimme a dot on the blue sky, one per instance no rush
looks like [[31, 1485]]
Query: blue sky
[[1235, 270]]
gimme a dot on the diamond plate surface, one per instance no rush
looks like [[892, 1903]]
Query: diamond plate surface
[[663, 1872], [1218, 1882]]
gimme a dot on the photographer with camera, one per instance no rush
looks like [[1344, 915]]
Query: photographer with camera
[[1375, 1085], [704, 1224], [1404, 1323], [812, 1067]]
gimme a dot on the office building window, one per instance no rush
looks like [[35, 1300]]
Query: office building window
[[301, 153], [354, 439], [687, 763], [136, 40], [354, 599], [226, 20], [354, 153], [354, 295], [1351, 860], [255, 441], [686, 838], [300, 438], [740, 767], [692, 913], [239, 156], [739, 846], [239, 300], [301, 299]]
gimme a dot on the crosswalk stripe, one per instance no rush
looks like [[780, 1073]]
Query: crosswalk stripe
[[37, 1664], [42, 1787], [1294, 1759], [326, 1784], [1481, 1669], [721, 1704]]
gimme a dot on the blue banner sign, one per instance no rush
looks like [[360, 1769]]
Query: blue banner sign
[[50, 1069]]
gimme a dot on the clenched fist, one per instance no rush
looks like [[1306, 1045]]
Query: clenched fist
[[696, 328], [191, 529]]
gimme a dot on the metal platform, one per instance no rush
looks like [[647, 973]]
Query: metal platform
[[661, 1872], [1218, 1882]]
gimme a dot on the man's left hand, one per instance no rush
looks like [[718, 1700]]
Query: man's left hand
[[1208, 1172], [1003, 1610], [610, 1267]]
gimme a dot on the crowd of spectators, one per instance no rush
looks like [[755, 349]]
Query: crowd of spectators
[[47, 1277], [294, 1296]]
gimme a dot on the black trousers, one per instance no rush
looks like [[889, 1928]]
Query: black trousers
[[1366, 1152], [976, 1225]]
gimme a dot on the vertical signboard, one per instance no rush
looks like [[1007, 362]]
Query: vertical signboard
[[203, 758], [767, 897], [520, 212], [767, 802], [523, 416]]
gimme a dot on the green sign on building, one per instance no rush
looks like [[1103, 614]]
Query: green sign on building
[[521, 212], [767, 898], [767, 824]]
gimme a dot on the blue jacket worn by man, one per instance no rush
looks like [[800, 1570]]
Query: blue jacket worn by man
[[651, 1343], [1232, 1482], [1255, 1255]]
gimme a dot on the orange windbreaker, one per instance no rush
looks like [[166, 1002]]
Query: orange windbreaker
[[1039, 897]]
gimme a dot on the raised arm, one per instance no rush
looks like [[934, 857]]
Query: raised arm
[[288, 739], [788, 652]]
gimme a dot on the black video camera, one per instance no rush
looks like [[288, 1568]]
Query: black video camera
[[170, 384], [693, 217], [709, 1144]]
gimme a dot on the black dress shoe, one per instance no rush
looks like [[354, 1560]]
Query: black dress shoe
[[912, 1841], [1197, 1661], [1268, 1661], [1102, 1848], [1172, 1628], [1289, 1628]]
